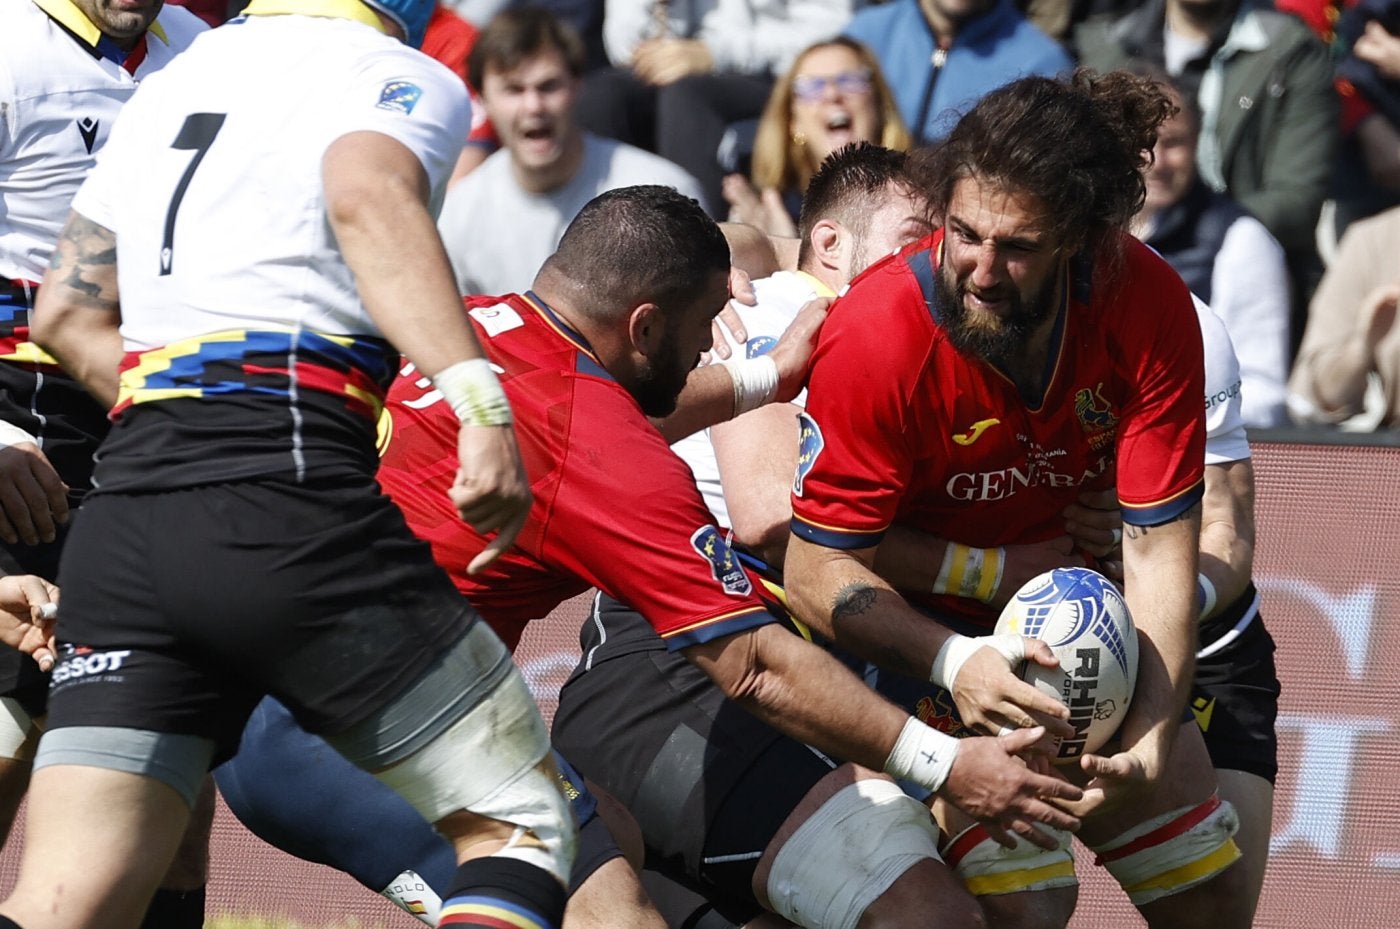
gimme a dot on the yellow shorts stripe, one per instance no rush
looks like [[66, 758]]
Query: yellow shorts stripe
[[1006, 882], [1192, 871]]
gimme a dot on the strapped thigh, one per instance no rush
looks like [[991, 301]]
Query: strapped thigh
[[848, 853], [986, 867], [1173, 852]]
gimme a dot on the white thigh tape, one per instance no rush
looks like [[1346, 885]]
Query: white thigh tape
[[848, 853], [987, 868], [494, 762], [1173, 852]]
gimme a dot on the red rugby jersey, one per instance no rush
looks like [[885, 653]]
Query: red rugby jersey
[[900, 426], [614, 507]]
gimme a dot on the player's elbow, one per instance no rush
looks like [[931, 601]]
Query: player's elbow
[[734, 663], [57, 323], [764, 533]]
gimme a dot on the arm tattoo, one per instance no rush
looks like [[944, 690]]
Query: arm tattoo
[[852, 600], [84, 261]]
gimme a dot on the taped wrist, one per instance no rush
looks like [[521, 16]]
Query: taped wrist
[[474, 393], [970, 572], [755, 382], [922, 754], [958, 648]]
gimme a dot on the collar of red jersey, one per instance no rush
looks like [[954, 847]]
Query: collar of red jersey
[[329, 9], [67, 14]]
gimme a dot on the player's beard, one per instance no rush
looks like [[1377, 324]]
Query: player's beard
[[659, 384], [998, 339]]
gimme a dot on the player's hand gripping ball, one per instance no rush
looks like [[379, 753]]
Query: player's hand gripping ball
[[1083, 618]]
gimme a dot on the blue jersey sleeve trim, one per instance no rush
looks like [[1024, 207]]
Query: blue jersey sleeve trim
[[832, 538], [707, 632], [1158, 513]]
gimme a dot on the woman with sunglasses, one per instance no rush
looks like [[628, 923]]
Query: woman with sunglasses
[[833, 94]]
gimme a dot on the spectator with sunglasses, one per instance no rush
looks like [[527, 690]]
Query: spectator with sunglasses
[[833, 95], [942, 56]]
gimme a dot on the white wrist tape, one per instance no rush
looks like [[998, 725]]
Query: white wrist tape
[[970, 572], [955, 652], [1205, 595], [922, 754], [755, 382], [11, 434], [474, 393]]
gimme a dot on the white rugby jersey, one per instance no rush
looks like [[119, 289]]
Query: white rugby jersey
[[61, 85], [212, 177], [1225, 431], [780, 296]]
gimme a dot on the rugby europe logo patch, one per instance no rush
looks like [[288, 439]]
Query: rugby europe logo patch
[[711, 546], [809, 445], [399, 95]]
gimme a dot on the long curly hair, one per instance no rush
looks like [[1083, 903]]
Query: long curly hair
[[1078, 144]]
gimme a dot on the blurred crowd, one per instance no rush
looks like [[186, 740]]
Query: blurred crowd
[[1275, 191]]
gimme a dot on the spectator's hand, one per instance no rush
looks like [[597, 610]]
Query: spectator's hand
[[763, 211], [491, 490], [1379, 48], [992, 784], [990, 697], [664, 61], [28, 611], [793, 353], [33, 498]]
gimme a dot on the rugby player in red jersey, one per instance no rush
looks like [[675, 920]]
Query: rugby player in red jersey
[[982, 379]]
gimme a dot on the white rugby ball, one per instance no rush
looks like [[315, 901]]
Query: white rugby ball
[[1083, 618]]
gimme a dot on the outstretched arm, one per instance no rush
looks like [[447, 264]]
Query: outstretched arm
[[377, 191], [806, 693], [838, 593], [1159, 565]]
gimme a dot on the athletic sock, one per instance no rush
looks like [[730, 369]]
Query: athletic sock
[[173, 909], [415, 896], [504, 893]]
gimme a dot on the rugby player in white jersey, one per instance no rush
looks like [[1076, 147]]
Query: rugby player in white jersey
[[66, 69], [275, 235]]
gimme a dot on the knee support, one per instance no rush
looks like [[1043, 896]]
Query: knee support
[[987, 868], [1173, 852], [495, 762], [848, 853]]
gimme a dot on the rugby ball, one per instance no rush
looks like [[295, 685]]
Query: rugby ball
[[1083, 618]]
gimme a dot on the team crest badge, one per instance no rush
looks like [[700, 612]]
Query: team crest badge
[[1096, 416], [711, 546], [760, 345], [399, 95], [809, 445]]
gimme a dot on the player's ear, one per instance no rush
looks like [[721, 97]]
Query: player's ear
[[645, 327], [828, 239]]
